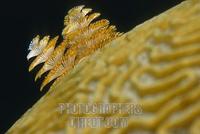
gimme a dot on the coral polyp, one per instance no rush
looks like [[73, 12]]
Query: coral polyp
[[81, 37]]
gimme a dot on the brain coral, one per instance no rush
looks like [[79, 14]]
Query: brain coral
[[156, 65]]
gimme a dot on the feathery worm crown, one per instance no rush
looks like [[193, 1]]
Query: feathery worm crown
[[81, 37]]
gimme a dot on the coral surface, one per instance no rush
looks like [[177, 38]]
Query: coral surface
[[156, 65]]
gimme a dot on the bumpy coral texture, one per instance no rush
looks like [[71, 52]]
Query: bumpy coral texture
[[156, 65]]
